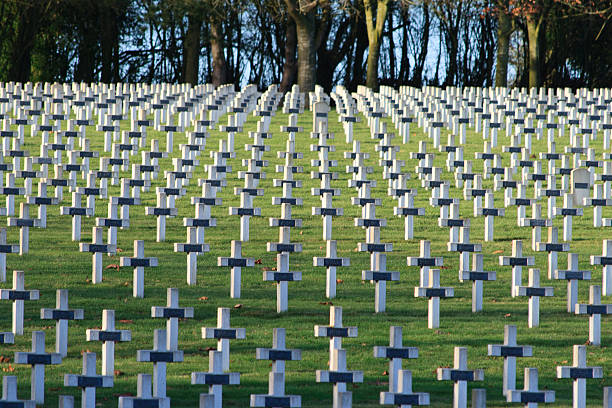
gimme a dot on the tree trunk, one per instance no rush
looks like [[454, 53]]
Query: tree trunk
[[362, 43], [533, 34], [372, 70], [88, 44], [504, 31], [191, 59], [306, 52], [417, 78], [108, 38], [306, 49], [21, 56], [219, 65], [374, 38], [290, 64]]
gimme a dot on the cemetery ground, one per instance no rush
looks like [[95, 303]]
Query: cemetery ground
[[54, 262]]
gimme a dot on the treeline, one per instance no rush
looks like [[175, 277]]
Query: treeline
[[350, 42]]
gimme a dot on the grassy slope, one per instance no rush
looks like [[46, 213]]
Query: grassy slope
[[54, 262]]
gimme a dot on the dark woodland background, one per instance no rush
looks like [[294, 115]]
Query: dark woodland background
[[553, 43]]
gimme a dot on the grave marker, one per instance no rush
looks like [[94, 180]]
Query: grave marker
[[395, 352], [330, 262], [460, 375], [595, 310], [530, 396], [572, 275], [144, 397], [581, 184], [509, 351], [173, 313], [9, 394], [236, 262], [579, 373], [424, 261], [517, 261], [477, 275], [339, 376], [223, 333], [139, 262], [18, 295], [215, 378], [159, 356], [605, 260], [434, 292], [97, 248], [62, 315], [192, 248], [38, 359], [534, 291], [88, 381], [335, 331], [108, 336]]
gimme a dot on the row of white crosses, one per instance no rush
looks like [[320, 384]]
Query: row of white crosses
[[327, 211], [251, 177], [282, 275], [400, 390], [195, 245], [378, 122], [165, 351], [378, 272], [580, 183], [337, 374], [165, 348]]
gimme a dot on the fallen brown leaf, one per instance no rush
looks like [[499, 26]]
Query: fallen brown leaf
[[203, 298], [507, 315], [339, 281], [238, 306], [499, 251], [113, 266], [118, 373], [258, 262], [126, 321]]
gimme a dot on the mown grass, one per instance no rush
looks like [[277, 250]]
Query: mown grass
[[54, 262]]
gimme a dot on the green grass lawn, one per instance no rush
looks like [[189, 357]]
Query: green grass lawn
[[54, 262]]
